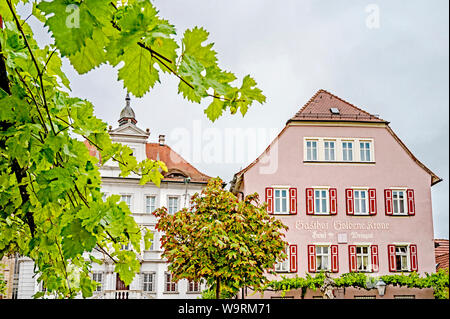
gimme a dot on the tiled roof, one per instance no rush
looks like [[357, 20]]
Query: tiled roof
[[176, 165], [441, 246], [441, 251], [318, 108], [442, 261]]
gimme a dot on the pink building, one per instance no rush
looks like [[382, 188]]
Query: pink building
[[353, 195]]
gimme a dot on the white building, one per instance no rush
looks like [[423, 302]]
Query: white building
[[180, 182]]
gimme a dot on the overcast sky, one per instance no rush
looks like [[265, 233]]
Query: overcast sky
[[396, 67]]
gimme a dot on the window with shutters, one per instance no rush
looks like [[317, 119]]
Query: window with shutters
[[281, 201], [401, 258], [98, 278], [150, 204], [283, 265], [399, 203], [148, 281], [323, 258], [329, 147], [169, 284], [172, 204], [361, 203], [321, 201], [311, 150], [363, 258]]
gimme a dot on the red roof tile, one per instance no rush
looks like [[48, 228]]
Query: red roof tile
[[318, 109], [176, 165], [441, 251], [442, 261]]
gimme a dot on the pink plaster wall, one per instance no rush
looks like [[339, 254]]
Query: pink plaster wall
[[393, 167]]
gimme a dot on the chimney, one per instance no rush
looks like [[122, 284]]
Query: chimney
[[162, 139]]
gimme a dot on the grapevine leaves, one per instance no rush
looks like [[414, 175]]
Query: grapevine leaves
[[140, 44]]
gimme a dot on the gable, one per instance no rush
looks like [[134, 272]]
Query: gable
[[324, 106], [129, 129]]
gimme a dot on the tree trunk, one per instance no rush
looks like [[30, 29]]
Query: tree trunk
[[218, 288]]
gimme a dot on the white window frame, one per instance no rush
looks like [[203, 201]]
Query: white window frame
[[166, 282], [405, 254], [347, 150], [129, 204], [327, 150], [396, 202], [281, 199], [284, 265], [309, 150], [359, 199], [320, 254], [149, 283], [169, 197], [361, 255], [322, 149], [95, 275], [147, 197], [365, 151], [327, 200]]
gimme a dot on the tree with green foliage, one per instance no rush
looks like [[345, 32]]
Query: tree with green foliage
[[51, 206], [230, 243]]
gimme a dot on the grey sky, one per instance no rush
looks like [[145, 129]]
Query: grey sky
[[293, 48]]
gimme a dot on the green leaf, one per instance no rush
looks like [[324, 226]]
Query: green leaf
[[92, 54], [193, 40], [215, 109], [138, 73], [72, 22]]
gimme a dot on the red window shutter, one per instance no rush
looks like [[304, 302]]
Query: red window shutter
[[293, 200], [352, 265], [411, 204], [372, 201], [349, 201], [269, 199], [311, 258], [374, 251], [333, 201], [391, 254], [293, 258], [388, 201], [413, 253], [334, 258], [309, 201]]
